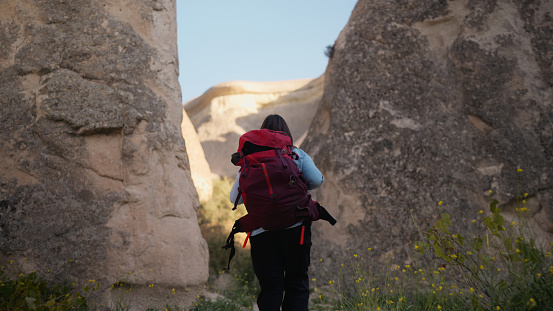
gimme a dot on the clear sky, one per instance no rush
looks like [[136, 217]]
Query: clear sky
[[255, 40]]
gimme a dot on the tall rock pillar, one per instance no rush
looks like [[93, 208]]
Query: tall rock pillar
[[429, 101], [94, 176]]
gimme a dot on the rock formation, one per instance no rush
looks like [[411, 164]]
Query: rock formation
[[429, 101], [228, 110], [94, 177], [199, 168]]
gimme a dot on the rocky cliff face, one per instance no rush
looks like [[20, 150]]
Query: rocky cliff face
[[228, 110], [94, 176], [428, 101]]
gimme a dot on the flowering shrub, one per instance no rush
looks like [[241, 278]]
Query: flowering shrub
[[500, 266], [27, 292]]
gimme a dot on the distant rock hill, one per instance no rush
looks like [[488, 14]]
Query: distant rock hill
[[429, 101], [228, 110]]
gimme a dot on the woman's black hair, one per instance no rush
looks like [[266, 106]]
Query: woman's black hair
[[275, 122]]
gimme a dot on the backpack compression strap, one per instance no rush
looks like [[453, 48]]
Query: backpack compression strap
[[245, 224], [230, 243]]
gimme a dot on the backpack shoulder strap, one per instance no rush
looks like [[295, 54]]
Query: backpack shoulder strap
[[237, 198]]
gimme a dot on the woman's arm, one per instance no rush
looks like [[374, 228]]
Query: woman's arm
[[309, 169], [234, 191]]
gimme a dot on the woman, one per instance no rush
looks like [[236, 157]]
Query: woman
[[280, 262]]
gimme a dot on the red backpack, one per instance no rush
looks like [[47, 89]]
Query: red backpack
[[271, 185]]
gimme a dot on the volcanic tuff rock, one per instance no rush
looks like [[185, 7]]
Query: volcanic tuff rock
[[94, 177], [428, 101], [228, 110], [199, 168]]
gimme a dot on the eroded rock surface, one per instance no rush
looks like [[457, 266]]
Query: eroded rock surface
[[228, 110], [199, 168], [94, 176], [428, 101]]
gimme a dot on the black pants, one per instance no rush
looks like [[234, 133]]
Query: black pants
[[280, 263]]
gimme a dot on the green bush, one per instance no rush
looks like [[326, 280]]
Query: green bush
[[502, 266], [499, 266], [27, 292], [216, 220]]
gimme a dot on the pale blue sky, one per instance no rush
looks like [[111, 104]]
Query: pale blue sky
[[255, 40]]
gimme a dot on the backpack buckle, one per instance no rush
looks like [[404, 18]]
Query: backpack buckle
[[292, 180]]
